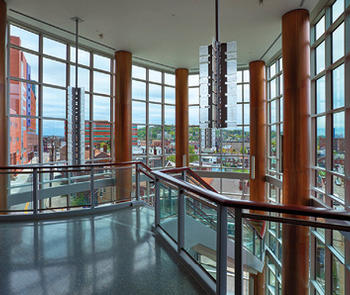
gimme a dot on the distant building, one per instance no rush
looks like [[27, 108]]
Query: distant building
[[23, 130]]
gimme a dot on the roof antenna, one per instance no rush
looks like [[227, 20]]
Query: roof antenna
[[77, 20]]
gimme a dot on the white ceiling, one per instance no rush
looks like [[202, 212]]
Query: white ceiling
[[168, 31]]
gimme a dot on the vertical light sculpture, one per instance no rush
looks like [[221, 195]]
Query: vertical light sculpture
[[76, 115], [218, 87]]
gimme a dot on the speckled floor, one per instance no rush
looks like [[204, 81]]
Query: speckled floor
[[104, 254]]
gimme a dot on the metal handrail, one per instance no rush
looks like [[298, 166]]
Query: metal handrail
[[306, 211]]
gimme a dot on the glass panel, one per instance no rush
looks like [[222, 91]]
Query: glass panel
[[337, 9], [23, 99], [320, 263], [169, 79], [321, 180], [23, 145], [102, 83], [54, 72], [200, 242], [54, 141], [102, 62], [273, 88], [246, 90], [193, 115], [54, 102], [138, 72], [155, 92], [338, 277], [246, 114], [169, 140], [239, 92], [193, 80], [338, 187], [321, 141], [246, 76], [102, 108], [155, 113], [338, 87], [139, 112], [193, 96], [101, 139], [83, 78], [155, 140], [87, 107], [321, 95], [83, 56], [273, 110], [272, 70], [338, 142], [169, 112], [320, 27], [54, 48], [338, 43], [338, 242], [23, 65], [320, 57], [155, 76], [138, 139], [138, 90], [24, 38], [170, 95]]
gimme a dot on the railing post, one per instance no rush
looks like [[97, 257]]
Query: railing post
[[157, 203], [92, 188], [35, 191], [238, 252], [181, 221], [221, 250], [137, 182]]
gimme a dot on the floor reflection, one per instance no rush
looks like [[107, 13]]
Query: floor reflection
[[104, 254]]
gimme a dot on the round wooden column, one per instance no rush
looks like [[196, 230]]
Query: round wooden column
[[123, 125], [3, 106], [257, 130], [296, 146], [181, 117], [257, 145]]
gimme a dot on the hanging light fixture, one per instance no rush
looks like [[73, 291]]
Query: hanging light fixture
[[218, 86], [76, 113]]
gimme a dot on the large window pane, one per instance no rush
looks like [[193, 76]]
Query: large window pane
[[83, 56], [54, 72], [24, 65], [169, 79], [155, 76], [102, 62], [321, 141], [101, 139], [155, 92], [170, 95], [169, 140], [138, 112], [338, 142], [102, 83], [102, 108], [138, 90], [54, 142], [83, 78], [320, 57], [193, 80], [169, 115], [24, 38], [320, 27], [320, 263], [193, 115], [337, 9], [155, 113], [138, 72], [54, 102], [193, 96], [138, 139], [23, 99], [54, 48], [338, 87], [338, 43], [321, 95]]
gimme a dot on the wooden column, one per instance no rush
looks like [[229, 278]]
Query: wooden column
[[123, 126], [181, 117], [257, 130], [296, 146], [3, 106], [257, 145]]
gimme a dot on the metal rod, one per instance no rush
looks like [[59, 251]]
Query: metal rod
[[76, 51], [238, 252], [181, 221], [35, 191], [221, 251], [157, 204], [217, 25]]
